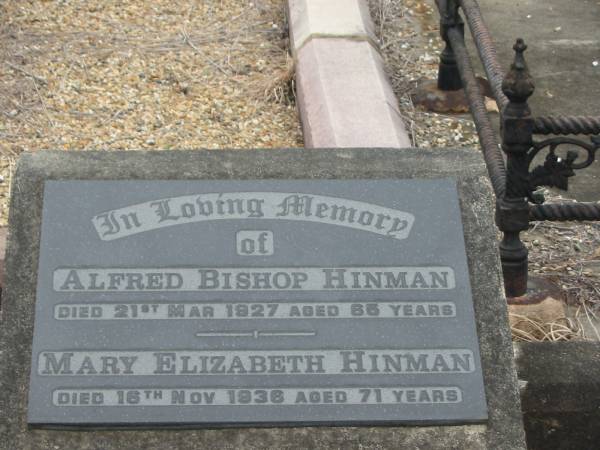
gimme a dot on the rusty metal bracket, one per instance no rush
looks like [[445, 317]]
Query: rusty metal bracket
[[556, 171]]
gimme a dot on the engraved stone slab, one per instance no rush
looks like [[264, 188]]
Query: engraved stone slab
[[254, 302]]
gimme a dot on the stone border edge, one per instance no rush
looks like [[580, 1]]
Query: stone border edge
[[345, 99]]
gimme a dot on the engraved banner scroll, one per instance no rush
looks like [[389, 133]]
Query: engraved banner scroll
[[166, 212]]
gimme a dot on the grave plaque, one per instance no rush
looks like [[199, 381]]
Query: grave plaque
[[253, 302]]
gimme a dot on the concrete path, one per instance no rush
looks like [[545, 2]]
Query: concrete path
[[563, 39]]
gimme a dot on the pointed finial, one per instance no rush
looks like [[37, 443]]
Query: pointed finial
[[519, 49], [520, 45], [518, 84]]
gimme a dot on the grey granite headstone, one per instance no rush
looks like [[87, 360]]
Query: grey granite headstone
[[241, 293], [270, 301]]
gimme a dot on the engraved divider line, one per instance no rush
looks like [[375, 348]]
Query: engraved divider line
[[255, 334], [224, 334], [288, 333]]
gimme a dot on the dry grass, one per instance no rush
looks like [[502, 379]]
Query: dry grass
[[530, 330], [569, 254], [583, 325], [280, 87]]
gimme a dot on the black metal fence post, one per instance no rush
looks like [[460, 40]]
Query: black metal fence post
[[512, 212], [514, 183], [448, 75]]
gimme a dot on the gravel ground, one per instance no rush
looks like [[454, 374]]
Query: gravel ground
[[164, 74], [566, 253], [409, 38], [569, 255]]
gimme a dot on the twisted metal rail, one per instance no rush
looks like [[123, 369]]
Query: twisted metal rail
[[514, 183], [485, 47], [563, 212], [489, 142], [567, 125]]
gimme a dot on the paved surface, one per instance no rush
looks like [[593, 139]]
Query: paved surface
[[564, 40]]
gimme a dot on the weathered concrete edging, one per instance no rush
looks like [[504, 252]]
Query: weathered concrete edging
[[560, 394], [3, 233], [344, 97]]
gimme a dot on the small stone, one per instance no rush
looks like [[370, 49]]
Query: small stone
[[150, 141]]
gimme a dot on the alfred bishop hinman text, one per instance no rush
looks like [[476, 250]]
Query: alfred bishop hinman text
[[244, 279]]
